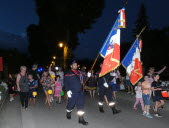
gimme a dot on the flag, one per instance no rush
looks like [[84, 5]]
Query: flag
[[1, 64], [110, 50], [122, 18], [132, 62]]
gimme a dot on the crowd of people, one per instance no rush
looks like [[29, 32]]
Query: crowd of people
[[75, 82]]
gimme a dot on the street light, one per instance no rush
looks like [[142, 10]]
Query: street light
[[54, 57], [60, 44]]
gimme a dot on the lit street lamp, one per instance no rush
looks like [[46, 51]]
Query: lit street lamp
[[60, 44], [54, 57]]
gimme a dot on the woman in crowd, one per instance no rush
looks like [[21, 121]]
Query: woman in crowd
[[91, 85], [146, 87], [11, 87], [46, 82], [23, 87], [115, 82], [52, 75]]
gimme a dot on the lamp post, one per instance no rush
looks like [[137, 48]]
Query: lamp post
[[65, 52], [54, 57]]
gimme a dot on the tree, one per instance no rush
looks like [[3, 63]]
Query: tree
[[61, 20], [142, 20]]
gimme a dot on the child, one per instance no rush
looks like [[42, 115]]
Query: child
[[58, 89], [157, 97], [146, 87], [139, 96], [32, 88]]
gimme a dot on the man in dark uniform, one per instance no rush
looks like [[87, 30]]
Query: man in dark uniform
[[105, 90], [73, 82]]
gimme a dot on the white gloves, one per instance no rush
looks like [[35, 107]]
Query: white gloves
[[106, 85], [88, 74], [69, 94]]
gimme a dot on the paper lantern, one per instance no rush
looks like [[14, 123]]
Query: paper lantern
[[50, 92]]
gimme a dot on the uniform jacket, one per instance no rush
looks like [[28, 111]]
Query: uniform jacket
[[101, 80], [73, 82]]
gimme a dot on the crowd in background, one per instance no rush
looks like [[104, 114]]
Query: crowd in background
[[27, 83]]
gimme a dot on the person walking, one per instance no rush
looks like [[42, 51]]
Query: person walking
[[139, 97], [105, 90], [52, 75], [46, 82], [91, 85], [146, 87], [23, 87], [32, 88], [73, 82], [156, 94], [11, 87]]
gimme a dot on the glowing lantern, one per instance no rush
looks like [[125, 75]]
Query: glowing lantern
[[50, 92], [34, 94]]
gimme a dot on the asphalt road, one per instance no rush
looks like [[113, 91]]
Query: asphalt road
[[40, 116]]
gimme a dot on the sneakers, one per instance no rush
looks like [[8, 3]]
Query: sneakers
[[11, 99], [144, 113], [157, 115], [27, 109], [149, 116]]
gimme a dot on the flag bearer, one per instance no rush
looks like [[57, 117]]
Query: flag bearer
[[105, 90]]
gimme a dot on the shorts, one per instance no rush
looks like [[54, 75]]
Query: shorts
[[31, 95], [157, 98], [128, 83], [146, 98], [115, 87]]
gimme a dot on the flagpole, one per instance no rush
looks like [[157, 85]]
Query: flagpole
[[136, 39], [91, 69]]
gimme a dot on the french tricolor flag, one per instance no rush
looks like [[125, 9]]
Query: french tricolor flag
[[110, 50], [132, 62]]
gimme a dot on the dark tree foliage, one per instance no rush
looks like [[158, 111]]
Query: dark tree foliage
[[61, 20], [142, 20], [12, 60]]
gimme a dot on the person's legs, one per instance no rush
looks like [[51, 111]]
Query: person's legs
[[90, 92], [157, 103], [26, 99], [59, 99], [114, 94], [80, 107], [135, 104], [129, 91], [132, 92], [93, 93], [70, 105], [34, 100], [161, 103], [22, 99], [47, 99], [142, 104]]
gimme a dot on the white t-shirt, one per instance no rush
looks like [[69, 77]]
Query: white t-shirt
[[138, 92], [61, 74], [52, 74]]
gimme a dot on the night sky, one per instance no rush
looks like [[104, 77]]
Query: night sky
[[16, 15]]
